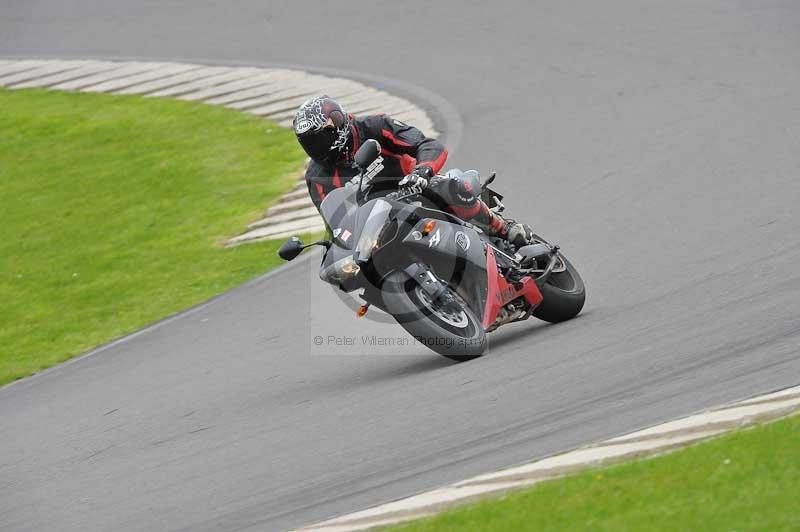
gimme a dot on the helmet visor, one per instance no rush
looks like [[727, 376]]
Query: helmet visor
[[318, 143]]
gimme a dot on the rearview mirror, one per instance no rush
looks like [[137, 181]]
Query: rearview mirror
[[291, 248], [367, 153]]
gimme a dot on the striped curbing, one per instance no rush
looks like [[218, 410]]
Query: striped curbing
[[272, 93], [647, 442]]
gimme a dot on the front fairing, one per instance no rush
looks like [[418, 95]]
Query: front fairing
[[384, 236], [454, 252], [355, 234]]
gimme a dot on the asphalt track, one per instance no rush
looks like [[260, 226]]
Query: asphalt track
[[658, 142]]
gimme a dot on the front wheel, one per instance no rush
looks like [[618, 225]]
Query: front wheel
[[454, 333]]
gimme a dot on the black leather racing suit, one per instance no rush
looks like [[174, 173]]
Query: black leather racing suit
[[403, 148]]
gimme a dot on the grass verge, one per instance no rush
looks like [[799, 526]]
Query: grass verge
[[747, 480], [114, 209]]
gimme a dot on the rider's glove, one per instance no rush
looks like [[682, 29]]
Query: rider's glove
[[417, 180], [517, 233]]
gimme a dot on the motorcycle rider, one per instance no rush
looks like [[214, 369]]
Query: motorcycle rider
[[330, 136]]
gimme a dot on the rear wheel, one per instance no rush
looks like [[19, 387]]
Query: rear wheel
[[563, 295], [455, 333]]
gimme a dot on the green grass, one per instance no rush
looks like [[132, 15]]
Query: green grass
[[114, 210], [748, 480]]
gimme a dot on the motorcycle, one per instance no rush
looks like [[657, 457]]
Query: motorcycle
[[442, 279]]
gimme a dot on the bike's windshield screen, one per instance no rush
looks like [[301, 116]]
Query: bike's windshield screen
[[372, 218], [338, 210], [339, 204]]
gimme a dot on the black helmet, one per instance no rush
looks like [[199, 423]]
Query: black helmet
[[322, 128]]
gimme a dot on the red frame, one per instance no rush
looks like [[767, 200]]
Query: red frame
[[500, 291]]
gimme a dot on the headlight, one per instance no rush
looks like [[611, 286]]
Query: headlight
[[340, 271], [348, 267]]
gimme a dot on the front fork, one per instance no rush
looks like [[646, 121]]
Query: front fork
[[433, 286], [422, 275]]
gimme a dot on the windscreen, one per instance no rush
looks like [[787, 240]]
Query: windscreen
[[371, 219], [338, 210]]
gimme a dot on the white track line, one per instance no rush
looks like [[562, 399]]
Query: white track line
[[225, 76], [650, 441], [44, 70], [11, 67], [125, 69], [272, 93], [160, 72], [86, 69], [253, 80], [177, 80]]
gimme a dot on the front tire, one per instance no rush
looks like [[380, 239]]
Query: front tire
[[456, 335]]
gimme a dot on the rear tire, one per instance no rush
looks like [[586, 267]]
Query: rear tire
[[457, 336], [563, 295]]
